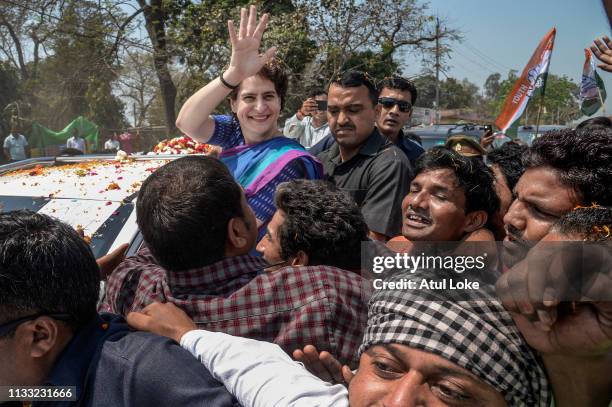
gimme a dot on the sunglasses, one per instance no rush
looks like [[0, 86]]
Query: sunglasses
[[9, 326], [388, 103]]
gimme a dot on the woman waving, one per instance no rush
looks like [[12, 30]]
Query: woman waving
[[256, 153]]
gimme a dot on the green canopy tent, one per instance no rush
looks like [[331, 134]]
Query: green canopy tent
[[51, 141]]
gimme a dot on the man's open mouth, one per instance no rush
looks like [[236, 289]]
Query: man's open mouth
[[415, 220]]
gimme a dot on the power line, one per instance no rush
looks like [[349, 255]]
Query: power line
[[467, 69], [485, 68], [483, 55]]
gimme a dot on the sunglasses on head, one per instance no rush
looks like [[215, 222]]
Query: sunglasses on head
[[9, 326], [388, 103]]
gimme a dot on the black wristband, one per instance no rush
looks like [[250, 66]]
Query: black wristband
[[227, 85]]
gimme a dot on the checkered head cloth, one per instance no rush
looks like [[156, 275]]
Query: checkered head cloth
[[478, 335]]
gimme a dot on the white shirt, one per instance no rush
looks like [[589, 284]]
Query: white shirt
[[16, 146], [304, 131], [260, 374], [74, 142], [112, 145]]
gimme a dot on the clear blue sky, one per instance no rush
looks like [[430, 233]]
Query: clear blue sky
[[499, 35]]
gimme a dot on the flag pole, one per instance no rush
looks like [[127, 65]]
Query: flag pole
[[540, 110], [603, 106]]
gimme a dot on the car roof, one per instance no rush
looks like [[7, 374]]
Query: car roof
[[94, 193]]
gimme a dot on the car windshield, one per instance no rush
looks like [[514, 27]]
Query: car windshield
[[104, 225]]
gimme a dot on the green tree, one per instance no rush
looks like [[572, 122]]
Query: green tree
[[342, 29], [492, 85], [560, 100], [76, 79], [9, 96], [74, 74], [202, 41], [426, 91], [454, 94], [370, 61]]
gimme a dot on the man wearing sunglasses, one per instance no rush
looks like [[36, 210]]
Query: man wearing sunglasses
[[394, 109], [51, 334], [361, 161], [395, 101]]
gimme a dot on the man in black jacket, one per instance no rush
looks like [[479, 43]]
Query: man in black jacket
[[51, 334], [370, 168]]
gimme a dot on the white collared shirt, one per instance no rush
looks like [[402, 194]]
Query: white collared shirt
[[304, 131], [76, 142], [112, 145], [16, 144], [260, 374]]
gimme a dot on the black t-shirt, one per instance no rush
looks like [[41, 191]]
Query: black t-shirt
[[378, 178]]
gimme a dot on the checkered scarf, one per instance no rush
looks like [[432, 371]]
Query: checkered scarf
[[478, 335]]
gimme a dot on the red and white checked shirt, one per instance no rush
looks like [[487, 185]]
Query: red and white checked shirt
[[292, 307]]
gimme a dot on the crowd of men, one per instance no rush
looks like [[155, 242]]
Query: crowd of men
[[228, 311]]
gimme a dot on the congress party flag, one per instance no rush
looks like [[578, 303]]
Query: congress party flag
[[592, 90], [532, 79]]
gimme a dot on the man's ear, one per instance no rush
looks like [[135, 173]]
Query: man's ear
[[475, 220], [378, 110], [233, 103], [39, 336], [300, 259], [237, 233]]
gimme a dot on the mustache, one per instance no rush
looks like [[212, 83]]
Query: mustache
[[516, 235], [346, 127], [412, 211]]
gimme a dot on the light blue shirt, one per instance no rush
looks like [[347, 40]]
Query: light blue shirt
[[16, 145], [304, 131]]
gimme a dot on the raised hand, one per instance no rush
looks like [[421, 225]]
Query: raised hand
[[602, 48], [552, 314], [487, 139], [162, 319], [309, 107], [246, 60], [323, 365]]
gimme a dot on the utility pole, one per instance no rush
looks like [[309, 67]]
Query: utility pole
[[437, 70]]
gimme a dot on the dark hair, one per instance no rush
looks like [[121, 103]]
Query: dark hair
[[399, 83], [508, 159], [273, 71], [594, 223], [595, 123], [70, 152], [322, 221], [45, 268], [183, 210], [316, 92], [582, 159], [354, 79], [472, 174]]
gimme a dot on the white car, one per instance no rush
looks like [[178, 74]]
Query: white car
[[94, 194]]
